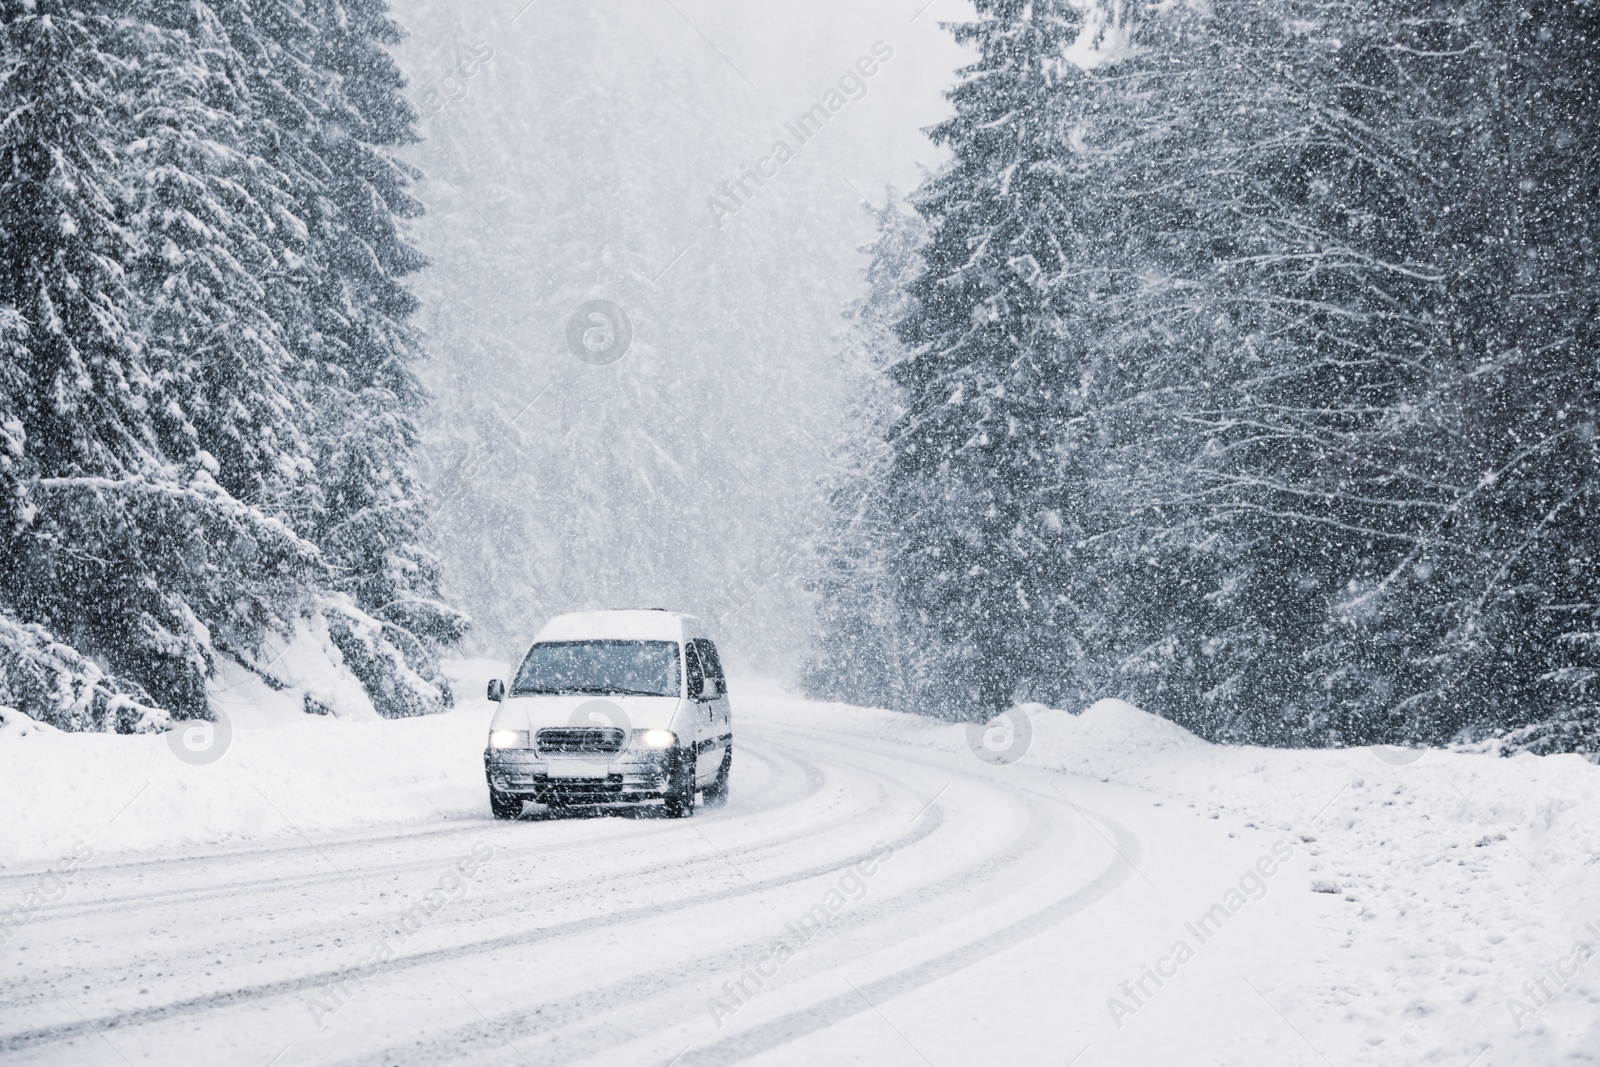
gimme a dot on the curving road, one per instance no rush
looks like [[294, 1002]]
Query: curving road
[[858, 900]]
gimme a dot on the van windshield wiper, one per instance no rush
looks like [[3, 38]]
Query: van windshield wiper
[[589, 690]]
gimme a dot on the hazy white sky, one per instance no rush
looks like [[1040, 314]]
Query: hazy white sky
[[770, 60]]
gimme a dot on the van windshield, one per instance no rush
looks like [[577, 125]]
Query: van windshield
[[628, 668]]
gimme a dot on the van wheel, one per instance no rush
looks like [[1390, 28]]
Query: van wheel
[[679, 803], [716, 794], [504, 805]]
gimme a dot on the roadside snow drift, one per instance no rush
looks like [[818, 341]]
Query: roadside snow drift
[[265, 769]]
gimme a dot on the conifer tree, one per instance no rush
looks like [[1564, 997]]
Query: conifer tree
[[75, 427], [982, 456], [1329, 471], [865, 650], [360, 349], [203, 340]]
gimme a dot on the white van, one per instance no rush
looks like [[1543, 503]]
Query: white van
[[612, 707]]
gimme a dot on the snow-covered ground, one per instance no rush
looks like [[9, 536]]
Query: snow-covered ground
[[334, 891]]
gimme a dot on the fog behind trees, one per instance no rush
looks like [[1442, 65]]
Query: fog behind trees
[[577, 151]]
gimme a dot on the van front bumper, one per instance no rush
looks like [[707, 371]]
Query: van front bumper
[[629, 778]]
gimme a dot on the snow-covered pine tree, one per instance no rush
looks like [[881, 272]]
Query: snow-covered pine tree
[[223, 379], [170, 330], [329, 113], [1329, 470], [1259, 315], [1360, 495], [1275, 322], [375, 519], [202, 215], [115, 546], [39, 675], [863, 650], [985, 457], [1504, 588]]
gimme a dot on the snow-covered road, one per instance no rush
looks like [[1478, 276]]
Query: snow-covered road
[[916, 898], [872, 894]]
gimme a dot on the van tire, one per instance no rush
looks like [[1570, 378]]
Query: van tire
[[504, 805], [716, 794], [679, 801]]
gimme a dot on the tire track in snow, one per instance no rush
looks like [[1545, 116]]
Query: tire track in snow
[[492, 902], [83, 1027], [279, 883], [648, 999], [871, 995]]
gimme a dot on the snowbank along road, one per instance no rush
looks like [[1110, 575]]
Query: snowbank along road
[[875, 892]]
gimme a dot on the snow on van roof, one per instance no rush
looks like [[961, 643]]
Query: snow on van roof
[[643, 624]]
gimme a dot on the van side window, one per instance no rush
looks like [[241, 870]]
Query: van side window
[[693, 670], [712, 664]]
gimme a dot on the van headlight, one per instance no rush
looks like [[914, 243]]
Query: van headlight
[[508, 739], [654, 739]]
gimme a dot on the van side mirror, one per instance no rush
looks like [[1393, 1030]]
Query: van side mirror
[[497, 689]]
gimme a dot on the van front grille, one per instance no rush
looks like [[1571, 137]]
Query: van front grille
[[581, 741]]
